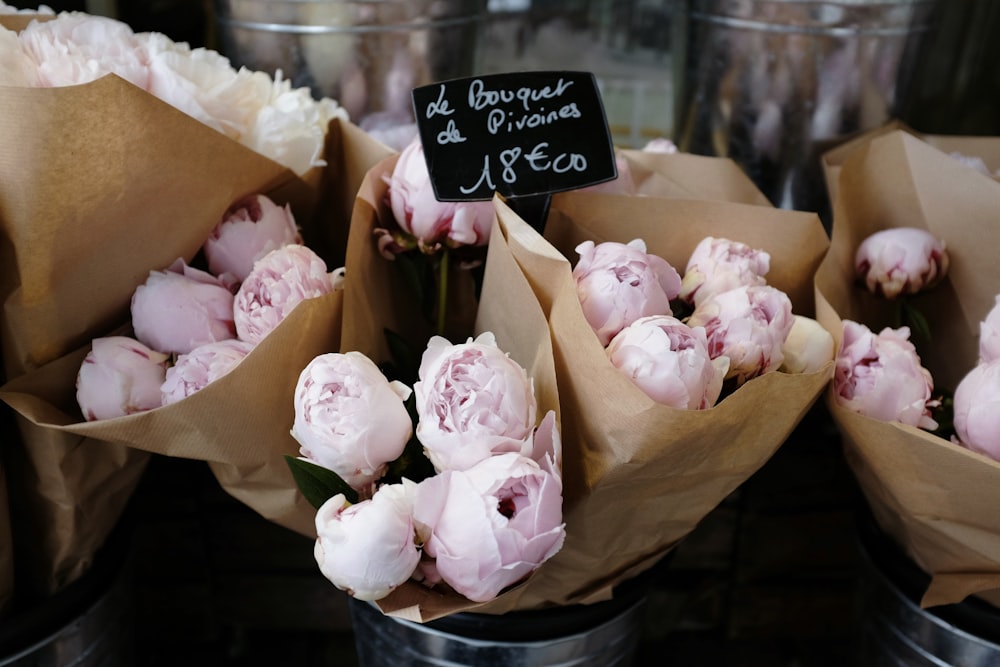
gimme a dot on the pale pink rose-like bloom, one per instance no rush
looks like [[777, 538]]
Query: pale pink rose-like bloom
[[901, 260], [180, 308], [669, 362], [718, 265], [279, 281], [490, 526], [881, 376], [473, 401], [369, 548], [119, 376], [808, 347], [203, 84], [430, 222], [291, 127], [989, 334], [349, 418], [15, 68], [203, 365], [618, 283], [748, 325], [76, 48], [977, 409], [660, 145], [251, 228]]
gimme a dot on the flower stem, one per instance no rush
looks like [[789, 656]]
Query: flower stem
[[442, 305]]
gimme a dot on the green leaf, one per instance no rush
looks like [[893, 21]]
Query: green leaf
[[318, 484]]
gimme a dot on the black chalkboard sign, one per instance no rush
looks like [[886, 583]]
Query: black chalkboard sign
[[519, 134]]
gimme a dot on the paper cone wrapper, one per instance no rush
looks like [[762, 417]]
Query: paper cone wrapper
[[377, 297], [689, 176], [935, 499], [640, 475], [100, 184]]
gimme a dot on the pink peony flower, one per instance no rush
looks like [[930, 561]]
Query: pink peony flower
[[349, 418], [203, 84], [490, 526], [180, 308], [432, 223], [717, 265], [881, 376], [901, 260], [75, 48], [118, 377], [618, 283], [977, 409], [473, 401], [15, 68], [369, 548], [669, 362], [989, 334], [660, 145], [251, 228], [203, 365], [748, 325], [279, 281], [808, 347]]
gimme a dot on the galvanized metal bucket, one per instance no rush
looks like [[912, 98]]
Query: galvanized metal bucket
[[603, 634], [89, 623], [772, 84], [893, 631], [526, 639], [367, 55]]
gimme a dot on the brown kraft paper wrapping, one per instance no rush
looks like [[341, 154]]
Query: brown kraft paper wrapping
[[689, 176], [100, 184], [935, 499]]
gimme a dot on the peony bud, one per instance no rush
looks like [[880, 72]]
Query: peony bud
[[178, 309], [989, 334], [279, 281], [881, 376], [349, 418], [669, 362], [369, 548], [203, 365], [748, 325], [118, 377], [977, 409], [492, 525], [432, 223], [618, 283], [901, 260], [718, 265], [473, 401], [808, 347], [251, 228]]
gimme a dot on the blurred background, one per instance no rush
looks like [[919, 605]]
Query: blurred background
[[772, 576]]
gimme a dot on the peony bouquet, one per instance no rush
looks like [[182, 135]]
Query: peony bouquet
[[638, 475], [103, 182], [914, 386], [474, 507]]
